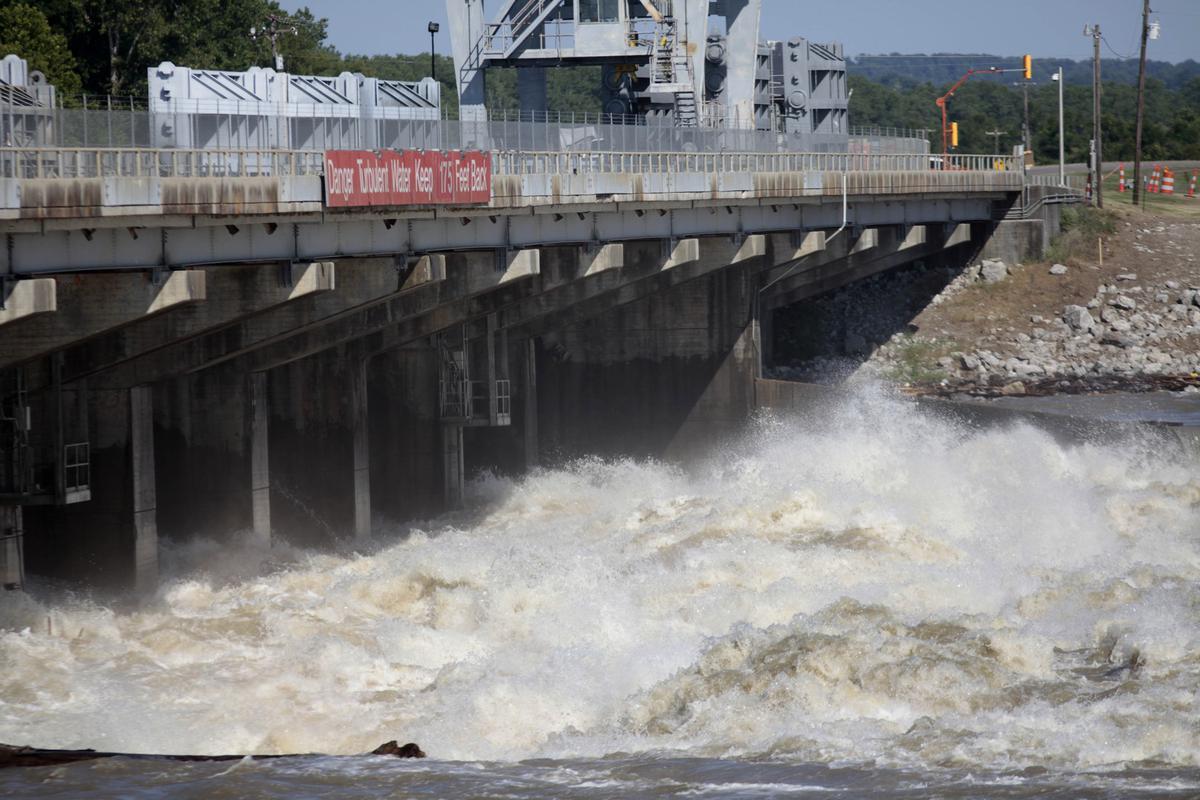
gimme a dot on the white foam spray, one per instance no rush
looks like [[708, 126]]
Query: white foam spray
[[869, 586]]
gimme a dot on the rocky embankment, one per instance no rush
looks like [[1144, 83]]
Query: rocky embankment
[[996, 328]]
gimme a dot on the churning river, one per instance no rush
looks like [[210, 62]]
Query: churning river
[[866, 603]]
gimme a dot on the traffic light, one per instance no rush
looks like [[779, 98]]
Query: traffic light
[[954, 134], [1028, 67]]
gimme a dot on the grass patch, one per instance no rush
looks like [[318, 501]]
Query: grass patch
[[1081, 227], [1176, 205], [916, 360]]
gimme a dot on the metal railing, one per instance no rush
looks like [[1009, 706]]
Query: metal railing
[[881, 131], [1073, 182], [328, 127], [453, 397], [464, 400], [71, 163], [77, 467], [533, 163], [480, 401]]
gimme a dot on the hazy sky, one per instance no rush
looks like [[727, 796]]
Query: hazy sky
[[1046, 28]]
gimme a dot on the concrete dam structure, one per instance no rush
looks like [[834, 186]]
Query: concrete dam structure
[[303, 343]]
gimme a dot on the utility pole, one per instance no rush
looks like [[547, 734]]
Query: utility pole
[[1098, 173], [271, 32], [1026, 132], [996, 135], [1028, 129], [1141, 108], [1062, 139]]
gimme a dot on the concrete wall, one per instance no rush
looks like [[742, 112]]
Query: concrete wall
[[1026, 240], [94, 544], [658, 377], [312, 449], [406, 473], [202, 455]]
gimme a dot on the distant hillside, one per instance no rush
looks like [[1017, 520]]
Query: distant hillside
[[900, 69]]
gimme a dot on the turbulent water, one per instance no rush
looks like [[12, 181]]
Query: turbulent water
[[869, 601]]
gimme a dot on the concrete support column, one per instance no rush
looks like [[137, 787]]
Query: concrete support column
[[362, 453], [453, 469], [529, 401], [531, 91], [145, 501], [664, 376], [741, 20], [490, 343], [260, 461], [766, 337], [467, 19], [12, 556]]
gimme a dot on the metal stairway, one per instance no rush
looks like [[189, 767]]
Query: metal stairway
[[671, 72], [467, 402], [501, 39]]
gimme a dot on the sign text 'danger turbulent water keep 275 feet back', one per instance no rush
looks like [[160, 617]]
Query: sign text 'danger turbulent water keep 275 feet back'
[[406, 178]]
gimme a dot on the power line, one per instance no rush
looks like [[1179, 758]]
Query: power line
[[1114, 52]]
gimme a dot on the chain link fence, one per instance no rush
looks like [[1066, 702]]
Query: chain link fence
[[319, 128]]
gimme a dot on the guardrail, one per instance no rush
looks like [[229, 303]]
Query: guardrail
[[1073, 182], [71, 163], [533, 163]]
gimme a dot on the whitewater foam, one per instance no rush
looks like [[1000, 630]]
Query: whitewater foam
[[870, 586]]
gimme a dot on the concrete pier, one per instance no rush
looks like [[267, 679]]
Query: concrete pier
[[12, 561], [260, 458]]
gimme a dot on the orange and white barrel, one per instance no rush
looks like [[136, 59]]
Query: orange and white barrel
[[1121, 180], [1168, 181], [1192, 184]]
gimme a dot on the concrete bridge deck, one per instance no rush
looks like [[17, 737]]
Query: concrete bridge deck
[[116, 209]]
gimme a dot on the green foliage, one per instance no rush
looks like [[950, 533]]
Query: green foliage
[[114, 42], [1081, 228], [24, 29], [106, 47], [916, 359], [1171, 131], [897, 69]]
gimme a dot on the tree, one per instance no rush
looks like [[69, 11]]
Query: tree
[[25, 31]]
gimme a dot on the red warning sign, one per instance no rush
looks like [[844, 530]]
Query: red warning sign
[[356, 178]]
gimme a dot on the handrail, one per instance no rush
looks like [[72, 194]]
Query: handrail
[[71, 163], [533, 163], [134, 162]]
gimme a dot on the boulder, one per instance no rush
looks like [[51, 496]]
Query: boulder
[[1124, 302], [24, 756], [1058, 269], [993, 270], [392, 748], [1078, 318], [1115, 339]]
